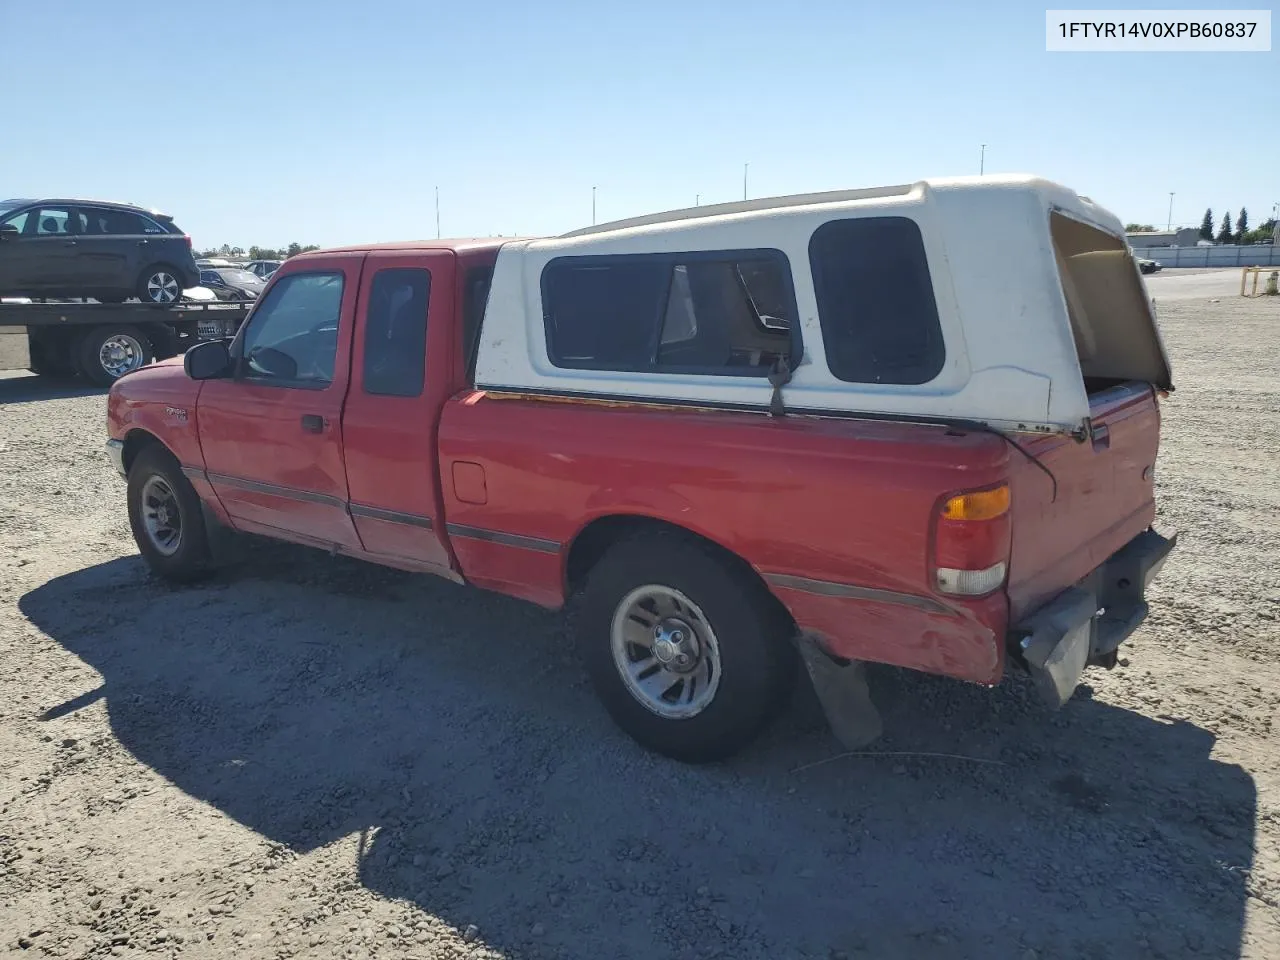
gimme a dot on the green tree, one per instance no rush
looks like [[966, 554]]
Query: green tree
[[1206, 225], [1224, 234], [1242, 225], [1138, 228]]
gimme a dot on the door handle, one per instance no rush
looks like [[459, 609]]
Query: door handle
[[313, 423], [143, 243], [68, 243]]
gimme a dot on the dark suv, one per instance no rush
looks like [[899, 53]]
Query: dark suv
[[86, 248]]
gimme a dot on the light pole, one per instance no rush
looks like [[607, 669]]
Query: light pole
[[697, 199], [437, 213], [744, 180], [1170, 226], [982, 160], [593, 206]]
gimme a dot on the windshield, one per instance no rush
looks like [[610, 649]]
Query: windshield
[[240, 276], [7, 205]]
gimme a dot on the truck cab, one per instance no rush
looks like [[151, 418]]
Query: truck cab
[[913, 425]]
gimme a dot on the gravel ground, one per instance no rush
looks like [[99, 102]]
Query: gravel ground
[[314, 757]]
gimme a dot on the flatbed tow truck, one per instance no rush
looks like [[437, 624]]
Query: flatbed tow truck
[[103, 341]]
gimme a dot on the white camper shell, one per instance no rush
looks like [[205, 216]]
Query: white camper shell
[[1005, 300]]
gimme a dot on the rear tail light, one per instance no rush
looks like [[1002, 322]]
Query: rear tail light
[[971, 542]]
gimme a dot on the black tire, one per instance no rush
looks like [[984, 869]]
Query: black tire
[[752, 632], [131, 346], [160, 291], [190, 556], [50, 356]]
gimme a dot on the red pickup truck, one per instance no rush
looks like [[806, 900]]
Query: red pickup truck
[[914, 425]]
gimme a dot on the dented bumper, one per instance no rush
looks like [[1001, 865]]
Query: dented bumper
[[1085, 624]]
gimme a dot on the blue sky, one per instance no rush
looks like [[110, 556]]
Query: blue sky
[[329, 122]]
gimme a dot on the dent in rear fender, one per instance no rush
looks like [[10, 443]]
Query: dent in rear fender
[[962, 639]]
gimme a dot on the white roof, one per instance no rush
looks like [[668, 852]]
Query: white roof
[[1010, 356], [993, 185]]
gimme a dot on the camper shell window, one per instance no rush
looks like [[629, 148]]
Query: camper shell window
[[724, 313]]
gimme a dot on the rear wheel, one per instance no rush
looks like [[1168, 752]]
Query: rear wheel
[[50, 355], [107, 353], [165, 516], [688, 653], [159, 284]]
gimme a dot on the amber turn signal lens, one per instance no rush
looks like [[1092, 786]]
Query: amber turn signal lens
[[980, 505]]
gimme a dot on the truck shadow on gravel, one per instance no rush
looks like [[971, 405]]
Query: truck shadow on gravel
[[31, 388], [313, 699]]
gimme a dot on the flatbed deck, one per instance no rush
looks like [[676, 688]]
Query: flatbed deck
[[103, 341], [93, 314]]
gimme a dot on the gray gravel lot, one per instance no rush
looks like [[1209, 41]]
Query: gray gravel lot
[[313, 757], [1196, 283]]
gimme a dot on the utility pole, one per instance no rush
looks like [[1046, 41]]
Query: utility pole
[[744, 180], [593, 206], [437, 213], [1170, 226], [697, 199], [982, 160]]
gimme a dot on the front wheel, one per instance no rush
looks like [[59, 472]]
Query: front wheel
[[690, 656], [159, 284], [165, 516]]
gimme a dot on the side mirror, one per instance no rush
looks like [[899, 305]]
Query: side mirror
[[8, 231], [208, 361]]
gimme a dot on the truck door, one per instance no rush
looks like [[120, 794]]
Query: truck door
[[400, 379], [272, 434]]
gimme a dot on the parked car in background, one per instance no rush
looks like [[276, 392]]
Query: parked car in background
[[263, 268], [199, 295], [90, 248], [208, 263], [232, 283], [1149, 266]]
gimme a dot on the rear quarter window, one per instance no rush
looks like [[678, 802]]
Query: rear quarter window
[[875, 298]]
